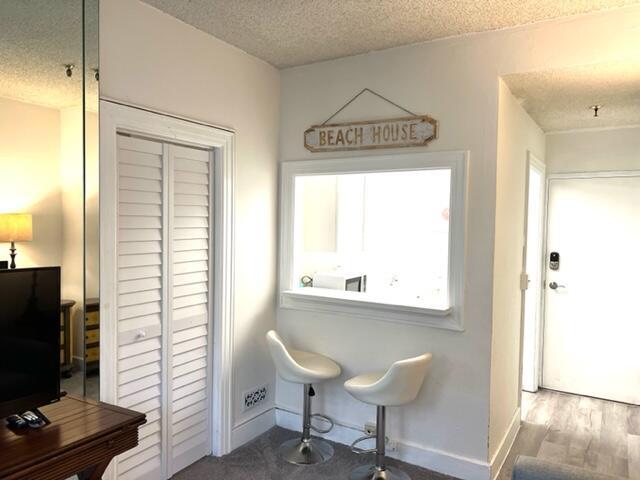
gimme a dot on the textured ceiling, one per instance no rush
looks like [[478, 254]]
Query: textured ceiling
[[37, 38], [296, 32], [560, 99]]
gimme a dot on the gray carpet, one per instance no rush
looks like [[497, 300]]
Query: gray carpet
[[258, 460]]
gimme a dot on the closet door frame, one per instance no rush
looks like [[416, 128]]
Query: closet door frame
[[118, 118]]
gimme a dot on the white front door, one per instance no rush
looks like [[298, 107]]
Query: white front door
[[592, 301]]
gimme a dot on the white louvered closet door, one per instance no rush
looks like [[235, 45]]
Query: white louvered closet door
[[141, 205], [163, 303], [189, 435]]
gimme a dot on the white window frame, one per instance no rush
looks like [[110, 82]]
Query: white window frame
[[322, 301]]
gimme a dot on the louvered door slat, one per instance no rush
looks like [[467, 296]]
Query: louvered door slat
[[151, 295], [140, 185], [132, 248], [192, 409], [139, 209], [190, 188], [140, 300], [188, 278], [140, 222], [191, 267], [190, 289], [191, 211], [147, 430], [189, 301], [143, 322], [191, 421], [190, 377], [140, 196], [140, 260]]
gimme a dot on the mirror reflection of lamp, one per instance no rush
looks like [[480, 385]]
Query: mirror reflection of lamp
[[15, 227]]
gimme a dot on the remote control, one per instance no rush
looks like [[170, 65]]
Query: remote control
[[15, 421], [33, 420]]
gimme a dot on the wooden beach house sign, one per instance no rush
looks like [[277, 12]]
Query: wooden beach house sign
[[406, 131]]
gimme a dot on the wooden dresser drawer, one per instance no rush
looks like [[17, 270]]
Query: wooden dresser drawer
[[92, 318], [92, 336], [92, 354]]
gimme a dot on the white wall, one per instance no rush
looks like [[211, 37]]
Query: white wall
[[455, 81], [30, 164], [92, 214], [72, 194], [594, 150], [517, 134], [150, 59]]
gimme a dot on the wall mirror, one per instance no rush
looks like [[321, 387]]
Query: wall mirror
[[49, 162]]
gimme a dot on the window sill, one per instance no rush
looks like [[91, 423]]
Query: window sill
[[348, 303]]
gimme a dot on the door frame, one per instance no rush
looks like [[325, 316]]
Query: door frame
[[565, 176], [534, 162], [114, 118]]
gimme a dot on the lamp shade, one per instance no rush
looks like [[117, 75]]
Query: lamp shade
[[16, 227]]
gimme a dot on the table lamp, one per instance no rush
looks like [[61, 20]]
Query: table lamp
[[15, 227]]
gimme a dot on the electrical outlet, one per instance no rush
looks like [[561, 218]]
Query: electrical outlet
[[254, 397], [392, 445], [370, 428]]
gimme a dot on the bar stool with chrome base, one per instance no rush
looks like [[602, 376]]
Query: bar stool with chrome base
[[397, 386], [306, 368]]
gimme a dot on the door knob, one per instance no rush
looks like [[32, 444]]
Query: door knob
[[555, 286]]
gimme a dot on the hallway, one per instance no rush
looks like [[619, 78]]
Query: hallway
[[595, 434]]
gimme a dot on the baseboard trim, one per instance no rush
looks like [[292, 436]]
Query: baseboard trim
[[250, 429], [78, 363], [436, 460], [509, 438]]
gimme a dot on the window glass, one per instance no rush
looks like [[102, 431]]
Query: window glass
[[381, 236]]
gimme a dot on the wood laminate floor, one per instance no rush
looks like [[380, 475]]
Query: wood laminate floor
[[590, 433]]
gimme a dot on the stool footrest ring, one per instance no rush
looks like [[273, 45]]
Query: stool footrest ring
[[325, 419], [362, 451]]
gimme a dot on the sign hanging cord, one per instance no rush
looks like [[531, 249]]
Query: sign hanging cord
[[374, 93]]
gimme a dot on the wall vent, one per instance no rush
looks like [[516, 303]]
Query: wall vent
[[254, 397]]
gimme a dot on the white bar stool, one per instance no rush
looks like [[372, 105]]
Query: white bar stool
[[305, 368], [397, 386]]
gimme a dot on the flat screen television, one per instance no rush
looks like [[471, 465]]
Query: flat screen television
[[29, 338]]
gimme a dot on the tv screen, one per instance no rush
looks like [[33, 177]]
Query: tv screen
[[29, 338]]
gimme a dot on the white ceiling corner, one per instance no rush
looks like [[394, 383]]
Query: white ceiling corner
[[296, 32], [560, 99]]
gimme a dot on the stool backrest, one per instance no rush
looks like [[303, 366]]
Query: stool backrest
[[403, 381], [287, 367]]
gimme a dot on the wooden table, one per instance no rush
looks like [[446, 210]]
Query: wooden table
[[82, 439]]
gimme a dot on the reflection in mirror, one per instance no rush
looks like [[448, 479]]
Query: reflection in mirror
[[41, 153], [92, 224]]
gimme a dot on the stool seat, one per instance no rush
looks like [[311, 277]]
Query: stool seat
[[297, 366], [397, 386], [314, 367]]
